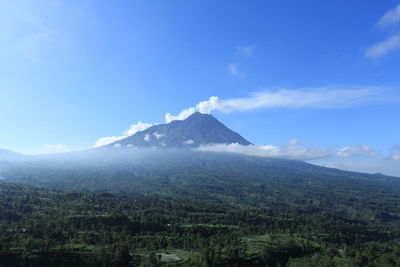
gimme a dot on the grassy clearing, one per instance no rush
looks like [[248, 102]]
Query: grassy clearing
[[168, 257], [255, 244], [174, 256]]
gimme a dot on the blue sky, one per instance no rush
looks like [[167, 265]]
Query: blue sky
[[323, 73]]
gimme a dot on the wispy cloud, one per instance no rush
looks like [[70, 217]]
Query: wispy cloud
[[390, 44], [320, 98], [137, 127], [28, 29], [352, 151], [242, 52], [159, 135], [245, 51], [56, 148], [395, 156], [303, 98], [233, 69], [353, 158], [291, 150], [188, 142], [385, 47], [390, 18], [366, 166], [348, 159]]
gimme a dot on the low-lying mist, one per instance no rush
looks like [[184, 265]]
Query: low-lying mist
[[171, 171], [124, 168]]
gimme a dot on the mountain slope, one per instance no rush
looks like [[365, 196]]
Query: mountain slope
[[220, 178], [194, 131], [147, 169], [6, 154]]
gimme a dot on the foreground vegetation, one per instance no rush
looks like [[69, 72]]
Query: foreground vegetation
[[185, 208], [46, 227]]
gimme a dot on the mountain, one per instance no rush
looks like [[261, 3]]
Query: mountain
[[253, 210], [173, 171], [170, 169], [196, 130], [6, 154]]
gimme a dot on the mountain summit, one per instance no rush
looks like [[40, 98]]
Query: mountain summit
[[196, 130]]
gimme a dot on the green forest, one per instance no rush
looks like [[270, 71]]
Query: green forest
[[196, 209], [297, 224]]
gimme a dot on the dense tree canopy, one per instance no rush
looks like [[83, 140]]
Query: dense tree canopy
[[45, 227]]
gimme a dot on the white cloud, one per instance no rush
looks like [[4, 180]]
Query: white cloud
[[245, 51], [56, 148], [303, 98], [158, 135], [317, 98], [395, 156], [146, 137], [391, 17], [234, 70], [380, 49], [285, 98], [390, 44], [352, 151], [107, 140], [188, 142], [117, 145], [242, 52], [203, 107], [367, 165], [137, 127], [291, 150]]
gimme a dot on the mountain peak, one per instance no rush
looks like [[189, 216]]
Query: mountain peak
[[197, 115], [198, 129]]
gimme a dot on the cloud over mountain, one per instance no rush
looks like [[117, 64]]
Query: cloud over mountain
[[137, 127], [294, 149], [56, 148], [317, 98], [314, 98], [352, 151]]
